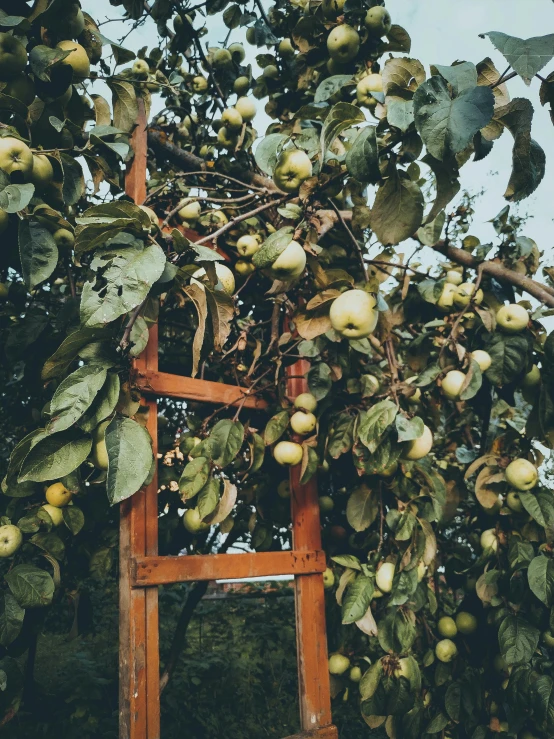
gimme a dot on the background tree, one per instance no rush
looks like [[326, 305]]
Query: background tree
[[428, 416]]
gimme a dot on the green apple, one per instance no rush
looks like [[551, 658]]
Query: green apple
[[328, 578], [371, 383], [21, 88], [286, 49], [55, 513], [303, 423], [4, 290], [446, 650], [353, 314], [240, 86], [452, 384], [489, 540], [42, 173], [221, 58], [366, 86], [385, 577], [237, 52], [290, 263], [64, 238], [500, 664], [466, 623], [404, 668], [447, 627], [193, 522], [446, 299], [58, 495], [343, 43], [231, 119], [190, 212], [355, 674], [128, 402], [77, 59], [527, 735], [483, 359], [15, 156], [326, 504], [283, 489], [247, 108], [453, 277], [270, 72], [226, 138], [288, 453], [248, 245], [306, 402], [4, 220], [251, 35], [547, 638], [99, 455], [421, 570], [465, 293], [11, 539], [140, 69], [419, 448], [73, 22], [513, 501], [13, 57], [154, 221], [415, 398], [224, 276], [331, 9], [338, 664], [244, 268], [292, 169], [522, 474], [199, 84], [532, 378], [378, 21], [512, 318]]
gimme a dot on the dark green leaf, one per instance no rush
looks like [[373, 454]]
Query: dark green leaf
[[509, 355], [362, 508], [525, 56], [375, 422], [194, 477], [55, 456], [319, 380], [341, 116], [30, 586], [357, 599], [362, 160], [11, 618], [541, 579], [276, 427], [74, 396], [517, 639], [38, 252], [129, 458], [409, 428], [539, 504], [397, 210]]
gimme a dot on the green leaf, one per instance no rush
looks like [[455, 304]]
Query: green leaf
[[43, 59], [362, 508], [49, 542], [276, 427], [38, 252], [319, 380], [401, 78], [268, 150], [74, 396], [370, 680], [340, 117], [430, 233], [357, 599], [124, 104], [460, 77], [541, 579], [126, 278], [509, 355], [539, 504], [409, 428], [194, 477], [362, 159], [14, 198], [447, 125], [542, 694], [341, 437], [447, 184], [58, 364], [129, 458], [428, 376], [473, 382], [11, 618], [272, 247], [225, 441], [103, 405], [310, 463], [208, 497], [397, 631], [56, 456], [438, 723], [73, 179], [375, 422], [525, 56], [397, 210], [330, 86], [73, 518], [257, 452], [347, 560], [30, 586], [517, 639]]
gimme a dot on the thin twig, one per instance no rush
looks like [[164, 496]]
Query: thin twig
[[124, 343], [239, 219], [352, 238]]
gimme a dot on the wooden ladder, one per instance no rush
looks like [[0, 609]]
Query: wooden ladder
[[142, 570]]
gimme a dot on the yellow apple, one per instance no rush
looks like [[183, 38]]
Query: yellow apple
[[454, 277], [378, 21], [447, 627], [221, 58], [452, 384], [332, 8], [338, 664], [292, 169], [343, 43], [290, 263], [55, 513], [446, 650], [237, 52], [328, 578], [15, 156], [355, 674], [244, 268], [522, 474], [58, 495], [489, 540], [13, 57], [11, 539], [231, 119], [466, 623], [288, 453], [306, 402], [42, 173], [99, 451], [190, 212], [192, 521], [240, 86], [248, 245], [366, 86], [247, 108], [419, 448], [465, 293], [446, 300], [303, 423], [199, 84], [64, 238], [512, 318], [77, 59], [286, 49], [513, 502], [140, 69], [353, 314], [415, 398], [385, 577], [482, 358], [224, 275]]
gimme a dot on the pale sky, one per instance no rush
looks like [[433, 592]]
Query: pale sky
[[443, 31]]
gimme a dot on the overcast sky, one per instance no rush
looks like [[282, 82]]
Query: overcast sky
[[444, 31]]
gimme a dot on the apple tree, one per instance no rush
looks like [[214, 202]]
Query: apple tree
[[430, 414]]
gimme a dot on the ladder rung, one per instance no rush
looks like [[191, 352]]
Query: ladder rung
[[327, 732], [163, 384], [163, 570]]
